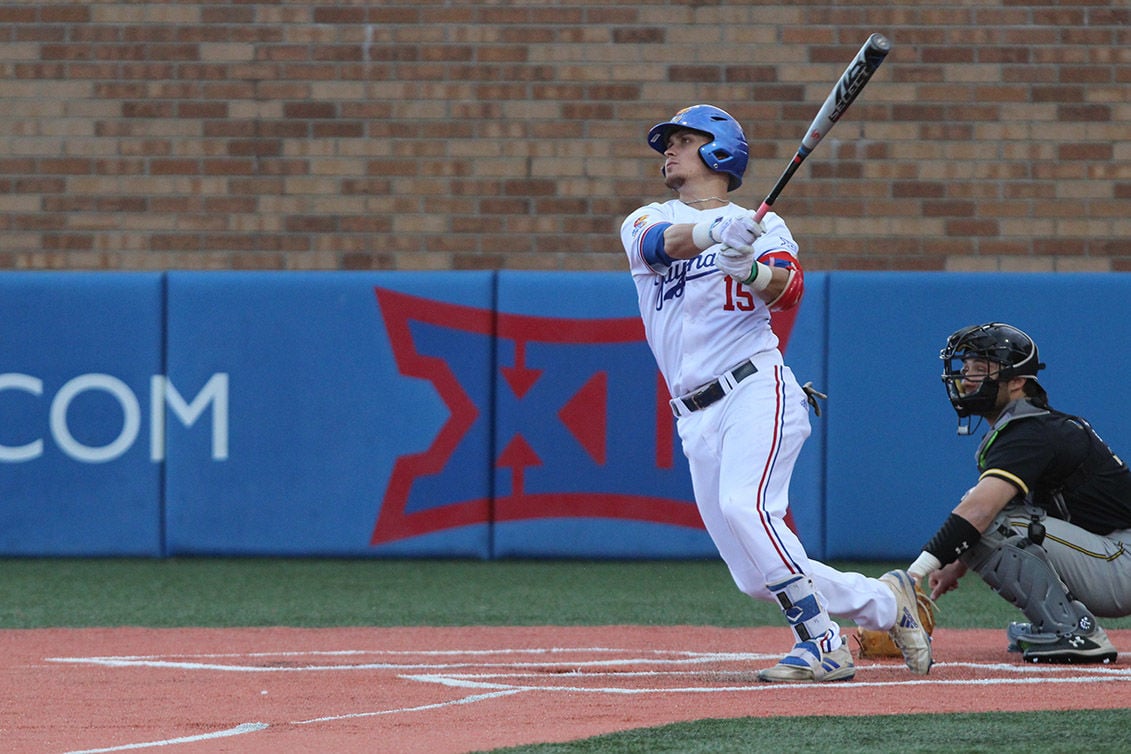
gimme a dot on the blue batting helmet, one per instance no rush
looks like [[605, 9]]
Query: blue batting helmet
[[726, 153]]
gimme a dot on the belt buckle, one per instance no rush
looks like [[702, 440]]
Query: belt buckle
[[693, 399]]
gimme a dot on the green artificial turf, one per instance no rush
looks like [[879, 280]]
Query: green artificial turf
[[309, 593], [1088, 731]]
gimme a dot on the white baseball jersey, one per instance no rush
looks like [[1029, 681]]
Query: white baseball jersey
[[699, 322]]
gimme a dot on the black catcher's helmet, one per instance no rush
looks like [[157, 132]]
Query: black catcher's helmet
[[1010, 348]]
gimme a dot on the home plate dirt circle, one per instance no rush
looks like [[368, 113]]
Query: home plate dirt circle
[[440, 690]]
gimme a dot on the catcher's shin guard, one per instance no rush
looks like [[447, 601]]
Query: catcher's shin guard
[[805, 613], [1020, 572]]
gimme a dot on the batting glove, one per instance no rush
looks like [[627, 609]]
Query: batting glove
[[738, 263], [735, 232]]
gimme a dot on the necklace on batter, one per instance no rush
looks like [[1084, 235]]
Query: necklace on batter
[[699, 201]]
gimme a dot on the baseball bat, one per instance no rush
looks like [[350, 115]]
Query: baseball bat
[[845, 92]]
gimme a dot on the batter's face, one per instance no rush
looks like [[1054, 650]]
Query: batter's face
[[682, 162]]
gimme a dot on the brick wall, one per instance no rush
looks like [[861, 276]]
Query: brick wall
[[460, 135]]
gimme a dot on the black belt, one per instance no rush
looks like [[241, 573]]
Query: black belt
[[714, 391]]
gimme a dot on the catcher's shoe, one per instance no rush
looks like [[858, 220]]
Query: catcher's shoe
[[1075, 647], [1015, 631], [806, 663], [907, 632]]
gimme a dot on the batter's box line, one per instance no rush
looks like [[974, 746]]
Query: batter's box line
[[1118, 674], [658, 657], [399, 652], [1036, 676]]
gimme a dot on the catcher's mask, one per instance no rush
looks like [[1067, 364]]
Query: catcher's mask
[[727, 152], [978, 358]]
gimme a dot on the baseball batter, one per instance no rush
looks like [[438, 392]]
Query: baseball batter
[[707, 277], [1048, 525]]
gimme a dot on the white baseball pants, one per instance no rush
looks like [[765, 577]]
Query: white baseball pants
[[741, 451]]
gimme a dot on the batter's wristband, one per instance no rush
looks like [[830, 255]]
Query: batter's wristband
[[760, 276], [701, 233], [954, 537]]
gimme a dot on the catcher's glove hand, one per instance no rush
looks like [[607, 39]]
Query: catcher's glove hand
[[811, 395], [879, 643]]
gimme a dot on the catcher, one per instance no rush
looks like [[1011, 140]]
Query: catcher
[[1048, 525]]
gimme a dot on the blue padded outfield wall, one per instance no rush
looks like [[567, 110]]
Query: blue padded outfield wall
[[77, 356], [478, 415]]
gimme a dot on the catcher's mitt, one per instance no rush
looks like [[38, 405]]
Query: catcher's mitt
[[879, 643]]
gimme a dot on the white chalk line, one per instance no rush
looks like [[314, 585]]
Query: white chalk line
[[417, 653], [590, 670], [469, 681], [421, 708], [236, 731], [674, 658], [1117, 673]]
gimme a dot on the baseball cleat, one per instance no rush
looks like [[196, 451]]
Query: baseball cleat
[[1014, 631], [1075, 647], [907, 632], [806, 664]]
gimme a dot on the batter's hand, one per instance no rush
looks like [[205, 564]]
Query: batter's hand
[[738, 263], [736, 232]]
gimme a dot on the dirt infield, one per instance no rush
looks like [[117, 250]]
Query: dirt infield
[[450, 690]]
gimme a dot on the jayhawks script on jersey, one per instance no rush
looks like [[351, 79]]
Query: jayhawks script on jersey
[[698, 321]]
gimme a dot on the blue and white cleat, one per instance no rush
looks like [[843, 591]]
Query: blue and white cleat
[[806, 664]]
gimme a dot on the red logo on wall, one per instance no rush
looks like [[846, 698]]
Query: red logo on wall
[[580, 406]]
